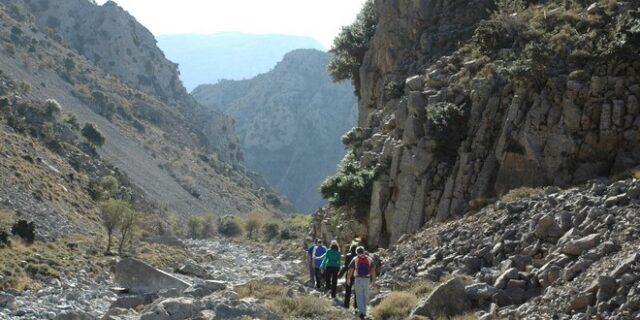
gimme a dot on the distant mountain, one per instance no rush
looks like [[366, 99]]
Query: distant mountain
[[290, 121], [231, 55]]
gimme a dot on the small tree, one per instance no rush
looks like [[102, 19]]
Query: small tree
[[350, 46], [112, 213], [253, 223], [93, 135], [208, 226], [127, 227], [194, 225]]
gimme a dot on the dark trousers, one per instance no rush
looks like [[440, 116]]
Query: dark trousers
[[318, 278], [331, 275], [347, 295]]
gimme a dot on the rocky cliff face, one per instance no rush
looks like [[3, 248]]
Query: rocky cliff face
[[176, 155], [455, 111], [113, 40], [290, 121]]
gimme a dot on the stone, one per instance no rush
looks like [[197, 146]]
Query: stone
[[504, 278], [214, 285], [74, 315], [192, 269], [414, 83], [448, 299], [606, 288], [576, 247], [619, 200], [6, 299], [575, 269], [581, 301], [548, 229], [480, 294], [139, 277], [624, 265], [133, 301]]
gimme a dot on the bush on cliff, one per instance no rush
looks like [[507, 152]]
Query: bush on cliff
[[350, 187]]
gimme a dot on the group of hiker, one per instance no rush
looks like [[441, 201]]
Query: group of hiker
[[326, 266]]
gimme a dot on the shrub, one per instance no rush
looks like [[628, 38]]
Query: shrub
[[350, 46], [396, 305], [270, 230], [93, 135], [71, 120], [229, 226], [304, 307], [52, 108], [253, 222], [446, 123], [350, 187], [109, 184], [521, 193], [24, 87], [128, 224], [25, 230]]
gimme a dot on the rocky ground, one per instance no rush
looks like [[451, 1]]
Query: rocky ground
[[230, 281], [568, 254]]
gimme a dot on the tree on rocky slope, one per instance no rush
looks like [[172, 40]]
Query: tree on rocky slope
[[113, 213], [350, 46]]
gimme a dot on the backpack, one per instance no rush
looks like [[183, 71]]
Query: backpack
[[363, 266]]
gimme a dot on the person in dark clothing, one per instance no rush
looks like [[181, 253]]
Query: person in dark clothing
[[331, 266], [349, 285]]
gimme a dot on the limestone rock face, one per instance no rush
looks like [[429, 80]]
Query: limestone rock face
[[290, 121], [114, 40], [556, 127]]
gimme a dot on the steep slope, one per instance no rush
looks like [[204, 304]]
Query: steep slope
[[456, 111], [181, 157], [231, 55], [290, 121]]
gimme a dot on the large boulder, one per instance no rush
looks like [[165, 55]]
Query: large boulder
[[448, 299], [192, 269], [173, 309], [139, 277]]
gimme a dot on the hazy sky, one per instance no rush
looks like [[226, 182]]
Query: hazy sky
[[320, 19]]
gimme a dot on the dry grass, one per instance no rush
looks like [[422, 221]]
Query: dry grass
[[261, 289], [306, 307], [396, 305], [521, 193], [7, 219], [422, 288]]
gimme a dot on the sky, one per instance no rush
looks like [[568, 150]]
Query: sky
[[319, 19]]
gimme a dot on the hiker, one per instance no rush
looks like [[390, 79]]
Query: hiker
[[331, 266], [349, 283], [363, 269], [310, 263], [318, 254]]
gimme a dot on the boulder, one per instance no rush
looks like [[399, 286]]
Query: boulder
[[624, 265], [548, 229], [480, 293], [214, 285], [139, 277], [192, 269], [581, 301], [173, 309], [576, 247], [607, 288], [414, 83], [504, 278], [6, 299], [448, 299]]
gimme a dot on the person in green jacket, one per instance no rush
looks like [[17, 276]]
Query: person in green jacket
[[331, 266]]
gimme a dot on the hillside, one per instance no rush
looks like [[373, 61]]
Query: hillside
[[179, 157], [206, 59], [290, 121]]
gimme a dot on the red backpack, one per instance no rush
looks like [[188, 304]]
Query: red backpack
[[363, 266]]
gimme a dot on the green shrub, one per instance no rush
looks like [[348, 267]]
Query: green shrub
[[447, 125], [271, 230], [350, 46], [71, 120], [52, 108], [229, 226], [92, 134], [350, 187]]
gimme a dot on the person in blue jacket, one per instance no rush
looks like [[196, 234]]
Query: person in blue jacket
[[318, 255]]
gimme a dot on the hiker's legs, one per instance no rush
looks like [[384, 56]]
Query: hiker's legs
[[347, 294], [362, 294], [312, 274], [327, 278], [333, 274], [318, 277]]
